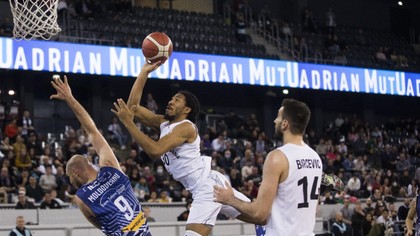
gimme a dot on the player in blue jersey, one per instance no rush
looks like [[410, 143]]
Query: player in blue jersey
[[105, 198]]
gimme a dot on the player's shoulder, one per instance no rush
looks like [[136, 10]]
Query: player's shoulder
[[276, 156], [185, 126], [109, 169], [109, 165], [186, 122]]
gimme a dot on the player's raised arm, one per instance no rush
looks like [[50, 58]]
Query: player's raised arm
[[138, 86], [145, 116], [98, 141], [183, 133]]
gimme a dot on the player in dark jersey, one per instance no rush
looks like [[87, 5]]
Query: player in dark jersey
[[105, 198]]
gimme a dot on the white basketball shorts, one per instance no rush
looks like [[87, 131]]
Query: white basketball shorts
[[204, 209]]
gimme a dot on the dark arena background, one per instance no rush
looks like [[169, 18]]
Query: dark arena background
[[355, 63]]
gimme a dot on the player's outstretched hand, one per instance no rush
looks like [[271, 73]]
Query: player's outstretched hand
[[63, 89], [122, 111], [223, 195], [149, 67]]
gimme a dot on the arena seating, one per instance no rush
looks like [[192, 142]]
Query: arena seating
[[189, 31], [357, 46]]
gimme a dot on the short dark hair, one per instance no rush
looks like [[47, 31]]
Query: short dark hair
[[297, 113], [192, 102]]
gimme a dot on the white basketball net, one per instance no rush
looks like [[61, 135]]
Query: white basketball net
[[34, 19]]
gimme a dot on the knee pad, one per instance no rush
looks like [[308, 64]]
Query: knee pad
[[191, 233]]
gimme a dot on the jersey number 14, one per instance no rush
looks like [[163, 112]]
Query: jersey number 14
[[313, 196]]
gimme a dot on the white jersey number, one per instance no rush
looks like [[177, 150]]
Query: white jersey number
[[314, 195], [122, 205], [165, 159]]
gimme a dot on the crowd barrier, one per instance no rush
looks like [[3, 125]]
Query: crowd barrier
[[71, 222], [223, 228]]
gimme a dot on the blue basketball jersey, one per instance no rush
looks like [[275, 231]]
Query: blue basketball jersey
[[112, 200]]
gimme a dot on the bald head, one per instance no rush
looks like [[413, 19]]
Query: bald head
[[78, 162], [78, 169]]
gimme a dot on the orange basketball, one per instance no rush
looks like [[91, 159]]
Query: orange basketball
[[157, 46]]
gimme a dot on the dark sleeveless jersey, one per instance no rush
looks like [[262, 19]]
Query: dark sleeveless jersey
[[112, 200]]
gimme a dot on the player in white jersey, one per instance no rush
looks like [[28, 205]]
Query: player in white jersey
[[179, 149], [288, 194]]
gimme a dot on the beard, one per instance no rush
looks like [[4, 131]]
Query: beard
[[278, 133], [279, 136], [168, 117]]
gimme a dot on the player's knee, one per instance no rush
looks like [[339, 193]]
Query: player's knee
[[191, 233]]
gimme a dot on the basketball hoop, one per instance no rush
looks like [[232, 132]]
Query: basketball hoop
[[34, 19]]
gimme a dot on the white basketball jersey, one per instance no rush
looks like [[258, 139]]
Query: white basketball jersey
[[294, 208], [185, 162]]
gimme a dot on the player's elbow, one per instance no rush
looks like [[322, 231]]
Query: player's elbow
[[260, 221], [133, 106], [154, 153], [261, 217], [153, 156], [138, 111]]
